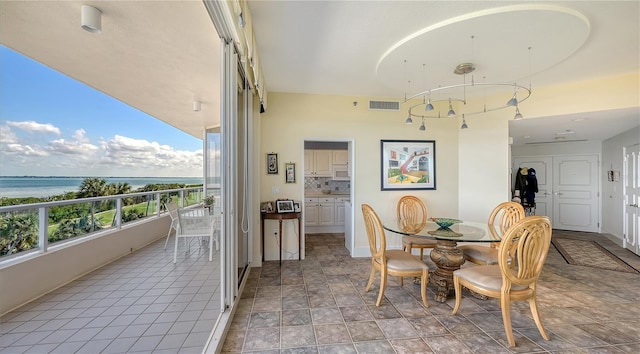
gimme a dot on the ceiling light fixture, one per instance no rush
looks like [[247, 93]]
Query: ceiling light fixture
[[458, 92], [464, 123], [451, 112], [463, 69], [91, 19], [518, 114], [408, 120]]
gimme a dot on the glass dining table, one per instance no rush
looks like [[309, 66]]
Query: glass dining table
[[446, 255]]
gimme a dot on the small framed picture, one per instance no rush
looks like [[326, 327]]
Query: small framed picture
[[290, 172], [284, 206], [296, 206], [272, 164], [266, 207]]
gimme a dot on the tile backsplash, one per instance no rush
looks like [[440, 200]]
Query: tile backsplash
[[317, 184]]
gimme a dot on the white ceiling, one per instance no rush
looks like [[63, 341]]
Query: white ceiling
[[359, 48], [160, 56]]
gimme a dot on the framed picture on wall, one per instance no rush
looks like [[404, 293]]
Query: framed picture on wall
[[272, 164], [290, 172], [407, 164]]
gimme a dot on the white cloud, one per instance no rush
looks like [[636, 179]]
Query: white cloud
[[117, 156], [81, 136], [15, 149], [7, 136], [129, 153], [31, 126], [62, 146]]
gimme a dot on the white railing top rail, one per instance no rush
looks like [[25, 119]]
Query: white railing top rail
[[93, 199]]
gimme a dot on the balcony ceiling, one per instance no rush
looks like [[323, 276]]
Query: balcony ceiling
[[156, 56], [160, 56]]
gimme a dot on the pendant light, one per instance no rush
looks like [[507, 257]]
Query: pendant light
[[451, 112], [464, 123]]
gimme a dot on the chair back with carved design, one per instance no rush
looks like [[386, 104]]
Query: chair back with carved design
[[412, 214], [375, 234], [506, 214], [521, 257]]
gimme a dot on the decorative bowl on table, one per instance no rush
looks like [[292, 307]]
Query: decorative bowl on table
[[444, 232], [445, 223]]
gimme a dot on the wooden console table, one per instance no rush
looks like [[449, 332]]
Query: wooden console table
[[280, 217]]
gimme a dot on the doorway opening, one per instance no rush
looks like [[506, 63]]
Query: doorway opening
[[328, 189]]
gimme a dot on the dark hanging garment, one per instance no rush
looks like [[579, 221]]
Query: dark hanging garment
[[520, 183], [531, 188]]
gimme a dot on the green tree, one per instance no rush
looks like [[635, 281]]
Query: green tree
[[18, 232], [93, 187], [118, 188], [74, 227]]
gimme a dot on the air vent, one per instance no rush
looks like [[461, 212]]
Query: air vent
[[384, 105]]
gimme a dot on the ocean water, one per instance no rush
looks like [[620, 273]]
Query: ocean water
[[22, 187]]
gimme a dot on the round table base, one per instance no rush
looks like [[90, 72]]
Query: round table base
[[448, 258]]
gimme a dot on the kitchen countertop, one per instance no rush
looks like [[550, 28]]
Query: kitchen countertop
[[318, 195]]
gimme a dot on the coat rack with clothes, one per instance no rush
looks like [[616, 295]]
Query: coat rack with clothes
[[525, 189]]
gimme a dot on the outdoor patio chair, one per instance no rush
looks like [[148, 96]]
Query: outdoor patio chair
[[172, 209], [196, 223]]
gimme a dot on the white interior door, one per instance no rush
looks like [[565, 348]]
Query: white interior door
[[576, 193], [631, 199], [543, 167]]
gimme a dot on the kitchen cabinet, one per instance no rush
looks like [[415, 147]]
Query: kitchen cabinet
[[311, 211], [318, 163], [326, 211], [340, 157], [325, 214], [340, 208]]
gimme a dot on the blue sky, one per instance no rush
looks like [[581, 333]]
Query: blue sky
[[53, 125]]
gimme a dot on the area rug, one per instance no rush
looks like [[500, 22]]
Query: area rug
[[590, 254]]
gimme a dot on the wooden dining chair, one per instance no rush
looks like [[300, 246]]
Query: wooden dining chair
[[390, 262], [522, 255], [502, 217], [412, 216]]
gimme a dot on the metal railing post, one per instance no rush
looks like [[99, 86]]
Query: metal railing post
[[43, 228], [119, 213]]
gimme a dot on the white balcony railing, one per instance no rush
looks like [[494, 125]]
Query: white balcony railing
[[13, 229]]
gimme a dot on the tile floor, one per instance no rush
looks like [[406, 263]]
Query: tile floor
[[319, 306], [139, 303]]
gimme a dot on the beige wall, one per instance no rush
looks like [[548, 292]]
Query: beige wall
[[292, 118], [472, 165]]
